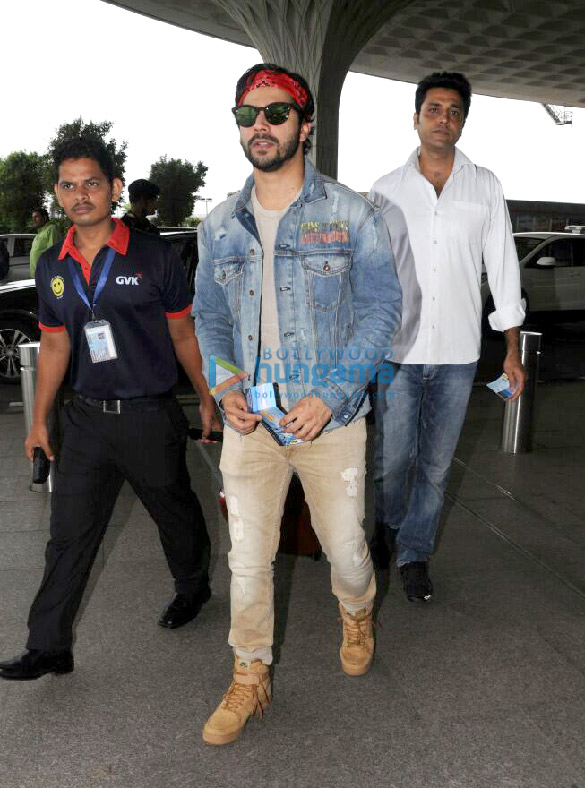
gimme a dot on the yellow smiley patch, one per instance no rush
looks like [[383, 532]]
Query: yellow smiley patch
[[58, 286]]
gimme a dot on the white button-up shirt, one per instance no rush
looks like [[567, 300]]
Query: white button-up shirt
[[439, 244]]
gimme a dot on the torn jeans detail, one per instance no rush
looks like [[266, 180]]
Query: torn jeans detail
[[256, 475]]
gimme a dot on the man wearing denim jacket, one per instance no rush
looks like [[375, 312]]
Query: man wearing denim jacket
[[295, 283]]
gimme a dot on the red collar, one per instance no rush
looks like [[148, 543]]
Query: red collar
[[118, 240]]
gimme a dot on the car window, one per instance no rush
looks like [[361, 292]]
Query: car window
[[22, 247], [186, 248], [561, 250], [525, 245]]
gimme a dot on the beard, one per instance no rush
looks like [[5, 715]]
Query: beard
[[282, 153]]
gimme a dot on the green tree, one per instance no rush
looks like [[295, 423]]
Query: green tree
[[100, 131], [22, 188], [178, 182], [192, 221]]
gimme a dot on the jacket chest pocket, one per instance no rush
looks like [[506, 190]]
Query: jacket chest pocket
[[325, 276], [229, 275]]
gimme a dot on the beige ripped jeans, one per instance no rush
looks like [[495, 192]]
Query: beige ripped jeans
[[256, 475]]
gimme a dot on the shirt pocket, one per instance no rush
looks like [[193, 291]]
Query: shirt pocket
[[326, 275], [469, 217], [229, 275]]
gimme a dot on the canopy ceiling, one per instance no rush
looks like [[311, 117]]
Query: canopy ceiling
[[522, 49]]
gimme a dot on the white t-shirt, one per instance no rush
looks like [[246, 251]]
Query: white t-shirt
[[267, 224]]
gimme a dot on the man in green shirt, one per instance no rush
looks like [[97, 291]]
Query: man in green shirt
[[47, 236]]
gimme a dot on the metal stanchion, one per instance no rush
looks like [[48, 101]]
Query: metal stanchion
[[29, 354], [518, 415]]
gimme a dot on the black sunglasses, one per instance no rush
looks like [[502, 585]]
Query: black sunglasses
[[275, 113]]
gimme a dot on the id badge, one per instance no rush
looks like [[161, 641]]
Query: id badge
[[100, 340]]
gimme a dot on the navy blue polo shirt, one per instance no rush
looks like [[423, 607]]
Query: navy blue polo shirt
[[146, 286]]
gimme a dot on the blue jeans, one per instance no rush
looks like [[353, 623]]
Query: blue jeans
[[419, 416]]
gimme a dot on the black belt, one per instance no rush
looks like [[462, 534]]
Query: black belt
[[117, 406]]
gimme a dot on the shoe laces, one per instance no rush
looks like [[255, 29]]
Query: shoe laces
[[356, 629], [239, 694]]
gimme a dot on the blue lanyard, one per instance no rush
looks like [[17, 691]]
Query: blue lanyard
[[103, 278]]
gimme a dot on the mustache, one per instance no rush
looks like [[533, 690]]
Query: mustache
[[257, 137]]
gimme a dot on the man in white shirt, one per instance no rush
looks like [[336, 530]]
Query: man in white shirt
[[445, 217]]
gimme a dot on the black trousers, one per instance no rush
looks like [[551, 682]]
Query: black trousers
[[146, 446]]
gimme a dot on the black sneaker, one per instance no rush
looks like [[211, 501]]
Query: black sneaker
[[416, 581]]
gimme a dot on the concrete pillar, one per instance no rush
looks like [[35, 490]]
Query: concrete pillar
[[318, 39]]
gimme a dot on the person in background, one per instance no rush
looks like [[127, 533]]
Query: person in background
[[446, 216], [47, 235], [143, 197]]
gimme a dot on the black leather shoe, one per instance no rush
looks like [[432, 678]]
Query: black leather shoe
[[416, 581], [183, 609], [34, 663]]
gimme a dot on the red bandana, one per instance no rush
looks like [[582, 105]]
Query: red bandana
[[270, 79]]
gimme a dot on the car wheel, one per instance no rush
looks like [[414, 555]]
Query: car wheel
[[12, 334]]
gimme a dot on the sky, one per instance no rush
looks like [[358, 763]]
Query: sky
[[169, 91]]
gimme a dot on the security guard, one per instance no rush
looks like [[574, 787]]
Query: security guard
[[115, 303]]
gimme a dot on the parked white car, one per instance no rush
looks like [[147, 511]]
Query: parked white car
[[18, 245], [552, 273]]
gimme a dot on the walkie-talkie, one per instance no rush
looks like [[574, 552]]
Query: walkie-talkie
[[41, 466]]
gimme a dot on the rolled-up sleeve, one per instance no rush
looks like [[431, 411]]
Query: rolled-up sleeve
[[501, 264]]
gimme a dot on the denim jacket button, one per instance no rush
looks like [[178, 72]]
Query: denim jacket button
[[252, 251], [223, 274], [250, 337], [327, 267], [251, 292]]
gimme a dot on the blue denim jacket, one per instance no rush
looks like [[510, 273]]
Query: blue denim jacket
[[338, 296]]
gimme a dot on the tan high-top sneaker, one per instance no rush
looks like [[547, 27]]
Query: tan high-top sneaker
[[357, 649], [250, 693]]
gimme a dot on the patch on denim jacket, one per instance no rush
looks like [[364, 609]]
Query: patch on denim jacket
[[335, 231]]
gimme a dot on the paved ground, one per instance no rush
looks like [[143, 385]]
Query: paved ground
[[485, 688]]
